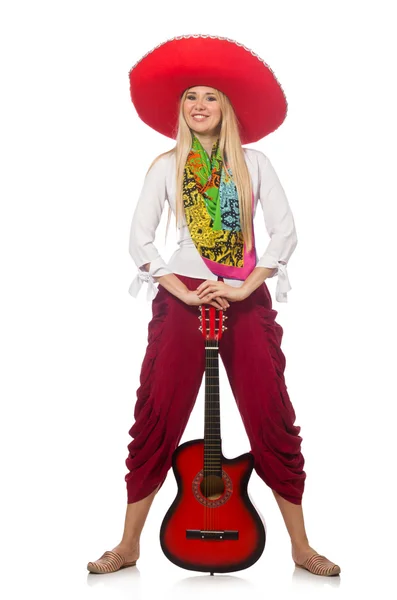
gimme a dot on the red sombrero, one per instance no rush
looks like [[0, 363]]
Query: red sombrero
[[159, 78]]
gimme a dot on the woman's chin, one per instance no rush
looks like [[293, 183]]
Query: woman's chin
[[205, 130]]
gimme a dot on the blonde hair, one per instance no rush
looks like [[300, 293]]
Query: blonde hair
[[230, 148]]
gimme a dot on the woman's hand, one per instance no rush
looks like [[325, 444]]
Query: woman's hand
[[211, 290], [191, 297]]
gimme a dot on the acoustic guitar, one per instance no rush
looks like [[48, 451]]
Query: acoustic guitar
[[212, 524]]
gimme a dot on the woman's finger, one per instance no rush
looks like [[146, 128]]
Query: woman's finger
[[221, 300], [208, 289], [204, 290], [216, 302], [216, 295]]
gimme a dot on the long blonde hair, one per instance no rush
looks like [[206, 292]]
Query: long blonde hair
[[230, 147]]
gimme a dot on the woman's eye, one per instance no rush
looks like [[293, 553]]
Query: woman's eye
[[190, 97]]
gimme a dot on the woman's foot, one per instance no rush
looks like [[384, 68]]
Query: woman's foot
[[302, 553], [307, 558], [122, 555], [129, 551]]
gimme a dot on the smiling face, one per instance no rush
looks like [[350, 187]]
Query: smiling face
[[202, 111]]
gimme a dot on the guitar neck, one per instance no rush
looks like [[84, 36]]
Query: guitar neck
[[212, 418]]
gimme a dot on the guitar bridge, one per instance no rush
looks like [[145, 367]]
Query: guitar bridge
[[202, 534]]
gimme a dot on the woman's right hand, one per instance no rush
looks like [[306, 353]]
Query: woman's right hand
[[191, 298]]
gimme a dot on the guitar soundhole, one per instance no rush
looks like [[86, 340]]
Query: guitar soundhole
[[212, 487], [212, 491]]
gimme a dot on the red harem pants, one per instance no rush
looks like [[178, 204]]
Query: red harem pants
[[171, 376]]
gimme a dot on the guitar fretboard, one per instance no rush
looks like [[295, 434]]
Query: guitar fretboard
[[212, 419]]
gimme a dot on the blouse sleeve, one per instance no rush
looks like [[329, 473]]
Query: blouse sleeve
[[280, 226], [145, 220]]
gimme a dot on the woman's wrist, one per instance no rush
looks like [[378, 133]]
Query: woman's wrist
[[256, 278], [173, 284]]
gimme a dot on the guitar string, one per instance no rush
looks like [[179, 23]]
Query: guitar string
[[212, 454], [209, 423], [207, 484], [218, 416], [210, 332], [218, 513], [212, 362], [207, 525], [213, 448], [213, 513], [209, 491]]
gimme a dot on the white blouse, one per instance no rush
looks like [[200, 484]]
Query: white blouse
[[160, 185]]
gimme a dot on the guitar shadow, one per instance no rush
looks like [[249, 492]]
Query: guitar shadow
[[226, 581], [209, 582]]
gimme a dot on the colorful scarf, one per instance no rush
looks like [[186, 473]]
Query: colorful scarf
[[212, 214]]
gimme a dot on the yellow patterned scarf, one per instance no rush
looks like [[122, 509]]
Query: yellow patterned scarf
[[212, 214]]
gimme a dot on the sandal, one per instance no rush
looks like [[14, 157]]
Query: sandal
[[109, 562], [319, 565]]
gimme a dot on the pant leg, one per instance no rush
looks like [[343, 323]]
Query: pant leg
[[254, 362], [170, 379]]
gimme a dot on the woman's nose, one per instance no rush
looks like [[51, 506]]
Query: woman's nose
[[199, 104]]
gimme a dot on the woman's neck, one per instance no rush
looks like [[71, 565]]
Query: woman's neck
[[207, 141]]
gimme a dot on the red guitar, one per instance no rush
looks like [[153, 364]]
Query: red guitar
[[212, 524]]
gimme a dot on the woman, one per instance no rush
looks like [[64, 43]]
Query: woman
[[212, 185]]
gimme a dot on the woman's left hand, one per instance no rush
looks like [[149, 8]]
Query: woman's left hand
[[212, 289]]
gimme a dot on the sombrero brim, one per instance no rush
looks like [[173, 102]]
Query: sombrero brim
[[158, 80]]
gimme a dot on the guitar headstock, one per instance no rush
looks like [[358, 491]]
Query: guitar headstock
[[211, 320]]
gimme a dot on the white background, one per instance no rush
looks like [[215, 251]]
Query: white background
[[73, 158]]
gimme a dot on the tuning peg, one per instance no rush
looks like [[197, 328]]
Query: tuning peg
[[224, 328], [201, 329], [225, 317]]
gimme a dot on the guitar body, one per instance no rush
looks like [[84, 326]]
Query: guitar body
[[212, 524]]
